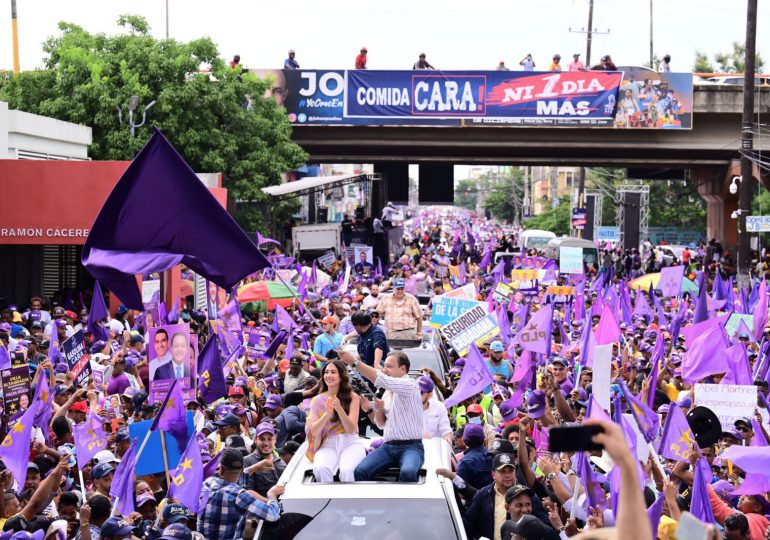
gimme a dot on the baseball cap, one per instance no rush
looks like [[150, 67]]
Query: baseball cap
[[122, 435], [559, 360], [61, 389], [236, 391], [273, 401], [175, 512], [265, 427], [296, 361], [508, 412], [496, 346], [79, 406], [503, 460], [328, 320], [144, 498], [426, 384], [473, 433], [101, 471], [516, 490], [475, 408], [289, 447], [536, 404], [501, 446], [106, 456], [528, 526], [116, 526], [399, 283], [176, 531], [745, 421], [228, 420], [232, 458]]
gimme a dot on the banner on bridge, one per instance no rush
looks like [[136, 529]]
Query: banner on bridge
[[631, 99]]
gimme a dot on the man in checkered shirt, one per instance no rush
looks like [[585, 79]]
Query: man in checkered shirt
[[228, 505]]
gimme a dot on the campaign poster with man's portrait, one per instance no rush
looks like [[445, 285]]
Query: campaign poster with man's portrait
[[173, 354]]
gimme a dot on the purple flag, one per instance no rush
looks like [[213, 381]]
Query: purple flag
[[211, 379], [122, 486], [642, 306], [760, 311], [54, 354], [750, 459], [625, 305], [738, 371], [706, 356], [701, 306], [754, 484], [210, 468], [172, 417], [187, 479], [647, 420], [89, 438], [173, 315], [654, 512], [653, 382], [592, 486], [677, 438], [144, 226], [284, 319], [691, 333], [607, 331], [700, 505], [97, 314], [523, 371], [265, 240], [474, 378], [520, 316], [670, 283], [535, 336], [504, 323], [14, 451], [717, 290], [759, 437], [5, 358], [45, 412]]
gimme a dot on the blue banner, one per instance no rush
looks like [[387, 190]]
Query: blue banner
[[484, 98]]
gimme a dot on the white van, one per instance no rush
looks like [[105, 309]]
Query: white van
[[382, 508], [535, 239]]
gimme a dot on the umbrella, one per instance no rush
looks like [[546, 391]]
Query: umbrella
[[272, 292], [187, 288], [644, 282]]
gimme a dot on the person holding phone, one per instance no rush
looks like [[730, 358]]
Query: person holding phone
[[332, 426]]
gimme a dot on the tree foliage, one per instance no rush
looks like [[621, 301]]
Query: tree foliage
[[466, 193], [702, 63], [735, 60], [556, 220], [500, 204], [218, 119]]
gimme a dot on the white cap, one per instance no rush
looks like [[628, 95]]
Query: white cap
[[106, 456]]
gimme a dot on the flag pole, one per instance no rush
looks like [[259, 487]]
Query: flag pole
[[144, 443], [574, 497], [114, 507], [165, 458], [82, 484]]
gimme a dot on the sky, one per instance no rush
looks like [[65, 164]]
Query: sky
[[454, 34]]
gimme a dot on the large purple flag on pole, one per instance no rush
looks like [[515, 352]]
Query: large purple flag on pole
[[739, 371], [187, 479], [97, 314], [535, 336], [172, 417], [122, 486], [211, 378], [607, 331], [706, 356], [670, 283], [646, 418], [700, 505], [677, 438], [89, 438], [760, 311], [14, 451], [701, 306], [474, 378], [145, 226], [654, 512], [692, 332]]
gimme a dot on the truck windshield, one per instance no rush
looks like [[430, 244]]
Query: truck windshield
[[363, 519]]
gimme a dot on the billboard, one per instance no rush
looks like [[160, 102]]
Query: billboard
[[484, 98]]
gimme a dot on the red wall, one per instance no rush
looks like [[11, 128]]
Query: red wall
[[56, 202]]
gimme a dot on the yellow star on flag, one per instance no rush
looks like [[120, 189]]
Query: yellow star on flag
[[19, 427], [186, 464]]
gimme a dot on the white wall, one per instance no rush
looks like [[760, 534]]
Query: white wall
[[30, 136]]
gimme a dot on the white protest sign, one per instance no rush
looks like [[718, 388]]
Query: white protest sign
[[642, 448], [571, 260], [468, 292], [327, 259], [475, 326], [728, 401], [602, 379]]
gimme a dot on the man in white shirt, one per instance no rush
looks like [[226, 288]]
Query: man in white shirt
[[398, 413], [434, 414], [371, 301], [665, 65]]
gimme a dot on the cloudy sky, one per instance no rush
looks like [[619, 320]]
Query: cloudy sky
[[455, 34]]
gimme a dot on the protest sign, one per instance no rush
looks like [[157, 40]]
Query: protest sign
[[475, 326], [728, 401], [560, 290], [602, 378], [466, 291], [151, 460], [346, 280], [173, 355], [150, 287], [112, 406], [571, 260], [525, 275], [502, 293], [731, 326], [97, 374], [445, 309], [15, 389], [78, 359], [327, 259]]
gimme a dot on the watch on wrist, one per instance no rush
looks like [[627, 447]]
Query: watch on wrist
[[551, 476], [356, 362]]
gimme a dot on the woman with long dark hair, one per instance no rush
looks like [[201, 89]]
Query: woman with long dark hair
[[332, 426]]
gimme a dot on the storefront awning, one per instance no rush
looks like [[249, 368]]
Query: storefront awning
[[313, 184]]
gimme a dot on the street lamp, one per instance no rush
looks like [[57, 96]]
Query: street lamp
[[133, 103]]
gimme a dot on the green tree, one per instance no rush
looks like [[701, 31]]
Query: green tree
[[735, 61], [218, 119], [466, 193], [676, 204], [500, 204], [702, 63], [556, 220]]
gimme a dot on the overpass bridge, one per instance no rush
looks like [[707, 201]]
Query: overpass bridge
[[709, 151]]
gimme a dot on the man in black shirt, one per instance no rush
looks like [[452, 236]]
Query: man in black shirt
[[372, 344]]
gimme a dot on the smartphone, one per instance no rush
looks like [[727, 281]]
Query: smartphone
[[573, 438]]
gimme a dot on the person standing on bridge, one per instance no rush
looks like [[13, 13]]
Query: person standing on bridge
[[528, 64], [422, 63], [576, 64], [361, 59], [556, 64], [665, 65], [290, 62]]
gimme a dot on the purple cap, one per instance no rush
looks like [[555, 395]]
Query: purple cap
[[473, 433], [265, 427], [5, 327], [426, 384], [733, 431], [507, 411], [273, 401], [60, 322], [536, 404], [35, 315], [723, 488], [460, 362], [399, 283], [582, 395], [663, 409], [685, 402], [241, 381], [61, 368]]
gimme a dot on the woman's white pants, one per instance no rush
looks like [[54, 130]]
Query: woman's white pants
[[343, 452]]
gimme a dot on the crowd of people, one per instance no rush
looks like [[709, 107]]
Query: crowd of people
[[333, 388]]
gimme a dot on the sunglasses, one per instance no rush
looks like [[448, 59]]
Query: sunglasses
[[743, 429]]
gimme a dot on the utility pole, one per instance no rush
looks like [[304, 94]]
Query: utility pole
[[15, 37], [167, 19], [582, 172], [747, 145], [652, 58]]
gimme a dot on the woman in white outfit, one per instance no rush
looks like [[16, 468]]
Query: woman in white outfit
[[332, 426]]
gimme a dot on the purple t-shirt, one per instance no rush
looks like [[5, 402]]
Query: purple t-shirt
[[118, 384]]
